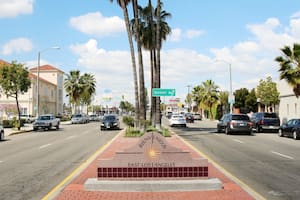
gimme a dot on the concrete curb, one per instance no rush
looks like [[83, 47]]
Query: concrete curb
[[94, 184]]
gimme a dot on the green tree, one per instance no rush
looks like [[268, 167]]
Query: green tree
[[89, 88], [73, 86], [127, 106], [14, 81], [207, 94], [290, 66], [240, 96], [251, 101], [267, 92], [223, 100], [123, 4]]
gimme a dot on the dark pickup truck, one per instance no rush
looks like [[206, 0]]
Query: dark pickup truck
[[263, 121]]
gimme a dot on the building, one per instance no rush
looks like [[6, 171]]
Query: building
[[51, 84], [289, 106]]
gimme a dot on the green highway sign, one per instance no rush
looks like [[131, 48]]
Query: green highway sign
[[159, 92]]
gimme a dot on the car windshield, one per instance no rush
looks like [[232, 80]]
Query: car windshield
[[44, 117], [270, 115], [110, 117], [77, 116], [240, 117]]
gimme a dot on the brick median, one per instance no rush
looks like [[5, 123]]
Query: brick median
[[75, 190]]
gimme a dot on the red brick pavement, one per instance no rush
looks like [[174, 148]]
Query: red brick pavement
[[75, 190]]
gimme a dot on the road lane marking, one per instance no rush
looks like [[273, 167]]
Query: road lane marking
[[58, 188], [239, 141], [282, 155], [71, 137], [45, 146], [243, 185]]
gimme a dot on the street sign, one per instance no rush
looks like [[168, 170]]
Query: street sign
[[159, 92]]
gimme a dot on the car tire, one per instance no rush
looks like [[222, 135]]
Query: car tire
[[258, 129], [57, 127], [1, 136], [295, 136], [280, 134]]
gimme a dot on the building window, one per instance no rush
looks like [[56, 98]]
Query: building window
[[24, 111]]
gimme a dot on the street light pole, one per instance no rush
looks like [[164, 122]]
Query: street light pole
[[38, 79], [230, 85], [188, 98]]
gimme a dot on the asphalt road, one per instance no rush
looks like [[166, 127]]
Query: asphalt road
[[33, 163], [267, 163]]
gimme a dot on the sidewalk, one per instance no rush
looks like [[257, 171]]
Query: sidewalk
[[75, 188]]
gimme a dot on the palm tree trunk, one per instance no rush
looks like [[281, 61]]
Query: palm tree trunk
[[136, 91], [141, 67], [158, 46]]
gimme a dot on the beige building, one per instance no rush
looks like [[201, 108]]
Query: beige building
[[51, 84], [289, 106]]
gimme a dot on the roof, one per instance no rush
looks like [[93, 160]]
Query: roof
[[47, 68], [33, 76]]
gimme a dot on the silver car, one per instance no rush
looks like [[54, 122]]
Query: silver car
[[79, 119]]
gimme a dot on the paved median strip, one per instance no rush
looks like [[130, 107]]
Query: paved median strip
[[282, 155]]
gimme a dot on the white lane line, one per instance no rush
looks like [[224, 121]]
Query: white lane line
[[45, 146], [71, 137], [239, 141], [282, 155]]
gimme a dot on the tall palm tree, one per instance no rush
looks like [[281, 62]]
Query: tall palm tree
[[89, 89], [290, 66], [148, 37], [209, 94], [123, 4]]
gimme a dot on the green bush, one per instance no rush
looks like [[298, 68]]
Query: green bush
[[13, 123], [129, 121], [132, 132]]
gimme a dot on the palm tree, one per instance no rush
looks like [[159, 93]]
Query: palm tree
[[208, 93], [290, 66], [89, 88], [74, 89], [123, 4], [148, 37]]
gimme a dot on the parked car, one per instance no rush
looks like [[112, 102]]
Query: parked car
[[94, 117], [28, 118], [189, 118], [1, 132], [169, 114], [265, 121], [197, 116], [46, 121], [177, 120], [291, 129], [234, 123], [79, 119]]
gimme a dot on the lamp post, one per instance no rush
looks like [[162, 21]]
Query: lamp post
[[230, 84], [38, 79], [188, 98]]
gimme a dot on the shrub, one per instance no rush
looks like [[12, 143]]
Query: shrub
[[132, 132], [13, 123], [129, 121]]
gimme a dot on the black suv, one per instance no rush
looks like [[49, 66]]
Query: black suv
[[265, 121]]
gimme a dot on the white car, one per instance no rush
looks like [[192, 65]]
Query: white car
[[177, 120]]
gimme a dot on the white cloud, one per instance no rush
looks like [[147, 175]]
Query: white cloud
[[296, 15], [17, 45], [13, 8], [175, 35], [192, 33], [98, 25]]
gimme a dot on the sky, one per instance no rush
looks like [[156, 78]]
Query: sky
[[207, 37]]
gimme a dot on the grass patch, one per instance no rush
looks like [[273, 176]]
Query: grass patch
[[132, 132]]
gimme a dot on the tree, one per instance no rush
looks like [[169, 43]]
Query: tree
[[123, 4], [223, 100], [148, 37], [251, 101], [290, 67], [127, 106], [267, 92], [14, 81], [240, 96], [73, 86], [89, 88], [206, 94]]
